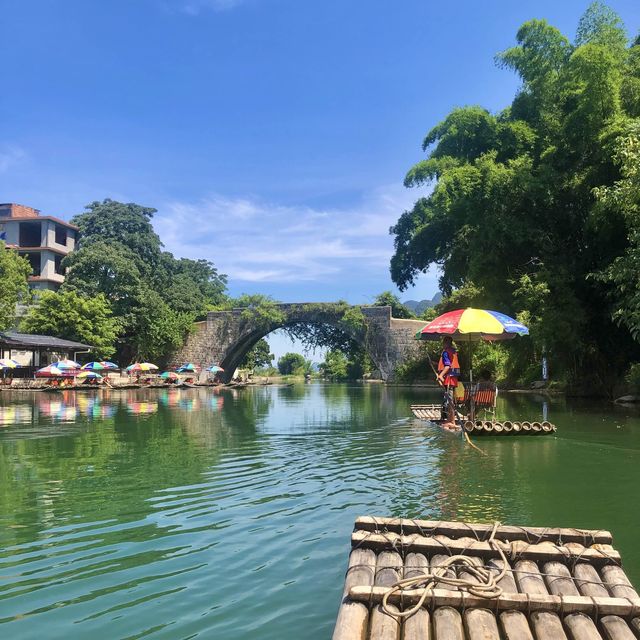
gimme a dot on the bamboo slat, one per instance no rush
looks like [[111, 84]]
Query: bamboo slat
[[515, 626], [480, 624], [430, 545], [447, 623], [547, 626], [615, 628], [417, 627], [483, 531], [581, 627], [506, 602]]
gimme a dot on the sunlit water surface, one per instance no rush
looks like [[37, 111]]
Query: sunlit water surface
[[227, 514]]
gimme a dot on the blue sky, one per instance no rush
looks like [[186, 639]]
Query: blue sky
[[271, 135]]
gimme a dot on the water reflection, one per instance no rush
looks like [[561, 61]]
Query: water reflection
[[204, 512]]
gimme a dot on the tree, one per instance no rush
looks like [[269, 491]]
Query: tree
[[335, 366], [512, 221], [290, 362], [258, 357], [14, 271], [73, 317], [154, 296], [398, 310]]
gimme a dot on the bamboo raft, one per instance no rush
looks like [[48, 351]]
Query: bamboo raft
[[432, 413], [560, 584]]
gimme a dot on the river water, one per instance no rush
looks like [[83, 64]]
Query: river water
[[199, 513]]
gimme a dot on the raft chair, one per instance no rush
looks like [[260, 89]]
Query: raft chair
[[485, 396]]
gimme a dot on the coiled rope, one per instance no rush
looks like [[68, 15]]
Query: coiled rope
[[485, 587]]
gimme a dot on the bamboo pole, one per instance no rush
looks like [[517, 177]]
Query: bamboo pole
[[447, 623], [615, 628], [617, 582], [481, 624], [581, 627], [588, 581], [515, 626], [505, 602], [507, 426], [483, 531], [547, 626], [353, 617], [389, 569], [529, 578], [559, 581], [545, 551]]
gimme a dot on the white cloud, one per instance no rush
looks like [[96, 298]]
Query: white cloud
[[253, 240], [10, 156]]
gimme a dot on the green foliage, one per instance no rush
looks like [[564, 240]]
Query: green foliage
[[335, 366], [533, 211], [258, 357], [398, 310], [70, 316], [154, 296], [291, 363], [14, 271], [261, 311]]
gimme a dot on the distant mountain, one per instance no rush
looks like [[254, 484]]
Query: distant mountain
[[419, 306]]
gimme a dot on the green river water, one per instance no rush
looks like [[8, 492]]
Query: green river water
[[198, 513]]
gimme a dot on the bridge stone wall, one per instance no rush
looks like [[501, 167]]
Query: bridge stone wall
[[225, 337]]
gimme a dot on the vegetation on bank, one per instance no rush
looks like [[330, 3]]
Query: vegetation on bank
[[535, 210]]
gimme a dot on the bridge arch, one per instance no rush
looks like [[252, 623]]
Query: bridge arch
[[225, 337]]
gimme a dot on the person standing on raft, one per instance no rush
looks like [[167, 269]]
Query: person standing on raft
[[448, 374]]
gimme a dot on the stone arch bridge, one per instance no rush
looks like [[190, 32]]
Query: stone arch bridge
[[225, 337]]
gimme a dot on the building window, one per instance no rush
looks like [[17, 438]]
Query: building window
[[57, 261], [61, 235], [34, 261], [30, 234]]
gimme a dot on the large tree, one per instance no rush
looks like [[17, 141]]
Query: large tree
[[512, 215], [14, 271], [154, 296]]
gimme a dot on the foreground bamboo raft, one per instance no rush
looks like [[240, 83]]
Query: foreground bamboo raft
[[560, 584], [432, 413]]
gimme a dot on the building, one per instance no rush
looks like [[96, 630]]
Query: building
[[33, 351], [43, 240]]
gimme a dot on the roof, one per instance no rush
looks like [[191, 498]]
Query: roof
[[6, 219], [32, 340]]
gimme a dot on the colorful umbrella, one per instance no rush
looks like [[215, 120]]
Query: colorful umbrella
[[89, 374], [50, 371], [109, 365], [93, 366], [169, 375], [142, 366], [8, 363], [66, 364], [189, 366], [214, 368], [473, 324]]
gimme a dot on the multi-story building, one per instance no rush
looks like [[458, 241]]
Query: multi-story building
[[43, 240]]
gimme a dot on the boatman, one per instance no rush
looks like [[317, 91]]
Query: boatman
[[448, 374]]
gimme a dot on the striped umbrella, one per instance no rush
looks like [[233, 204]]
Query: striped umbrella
[[93, 366], [169, 375], [214, 368], [142, 366], [49, 372], [67, 364], [8, 363], [89, 374], [188, 367]]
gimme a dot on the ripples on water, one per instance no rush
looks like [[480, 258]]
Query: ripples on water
[[198, 513]]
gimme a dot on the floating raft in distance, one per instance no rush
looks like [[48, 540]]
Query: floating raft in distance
[[432, 413], [560, 584]]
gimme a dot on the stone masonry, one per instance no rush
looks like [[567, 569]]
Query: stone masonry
[[225, 337]]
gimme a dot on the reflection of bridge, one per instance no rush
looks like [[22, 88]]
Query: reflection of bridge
[[225, 337]]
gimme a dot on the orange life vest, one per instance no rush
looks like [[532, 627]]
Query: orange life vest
[[454, 370]]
